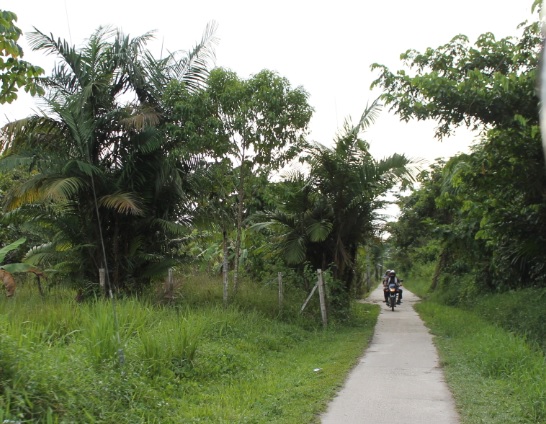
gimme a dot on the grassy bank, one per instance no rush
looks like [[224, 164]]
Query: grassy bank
[[495, 376], [492, 352], [521, 312], [66, 362]]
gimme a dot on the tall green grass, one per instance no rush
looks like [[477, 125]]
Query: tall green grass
[[521, 312], [191, 360], [496, 376]]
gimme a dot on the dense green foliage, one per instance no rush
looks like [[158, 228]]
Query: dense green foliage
[[256, 124], [324, 217], [103, 181], [481, 214], [189, 361], [15, 73], [137, 164], [482, 86]]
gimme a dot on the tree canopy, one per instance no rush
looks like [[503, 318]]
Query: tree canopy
[[325, 216], [107, 189], [481, 86], [15, 73], [487, 209], [258, 123]]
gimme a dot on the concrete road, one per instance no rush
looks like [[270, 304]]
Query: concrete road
[[399, 379]]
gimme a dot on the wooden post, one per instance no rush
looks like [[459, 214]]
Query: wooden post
[[308, 298], [322, 299], [102, 280], [170, 285], [279, 276]]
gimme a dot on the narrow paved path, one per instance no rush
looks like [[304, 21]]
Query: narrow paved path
[[399, 379]]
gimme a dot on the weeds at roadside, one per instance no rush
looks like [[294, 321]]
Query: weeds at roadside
[[183, 363], [495, 376]]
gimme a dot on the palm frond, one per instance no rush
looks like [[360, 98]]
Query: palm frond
[[62, 188], [259, 226], [28, 134], [193, 68], [37, 40], [172, 228], [125, 203], [293, 250], [141, 118], [81, 128], [150, 145], [319, 230], [368, 117], [81, 166], [30, 191]]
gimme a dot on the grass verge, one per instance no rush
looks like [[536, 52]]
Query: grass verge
[[66, 362], [495, 376]]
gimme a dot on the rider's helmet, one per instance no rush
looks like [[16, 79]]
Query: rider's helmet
[[392, 272]]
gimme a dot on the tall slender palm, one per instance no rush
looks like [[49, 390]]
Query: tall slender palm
[[100, 151]]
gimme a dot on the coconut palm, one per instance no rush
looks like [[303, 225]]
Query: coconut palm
[[100, 154]]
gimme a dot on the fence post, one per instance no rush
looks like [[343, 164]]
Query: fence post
[[322, 299], [280, 290], [170, 285], [102, 279], [309, 297], [368, 280]]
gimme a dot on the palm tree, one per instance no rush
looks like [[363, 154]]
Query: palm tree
[[301, 223], [100, 153], [334, 210]]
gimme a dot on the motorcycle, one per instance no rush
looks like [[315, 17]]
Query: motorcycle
[[392, 295]]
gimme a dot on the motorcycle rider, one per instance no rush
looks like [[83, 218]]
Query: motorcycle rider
[[392, 279]]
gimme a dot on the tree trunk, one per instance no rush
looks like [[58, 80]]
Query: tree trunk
[[439, 267], [241, 196], [225, 268], [116, 255]]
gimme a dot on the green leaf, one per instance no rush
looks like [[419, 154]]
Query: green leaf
[[18, 267], [12, 246]]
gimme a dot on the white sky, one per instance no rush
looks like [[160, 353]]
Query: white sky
[[326, 47]]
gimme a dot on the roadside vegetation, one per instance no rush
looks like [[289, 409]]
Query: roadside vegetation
[[61, 360], [492, 352], [137, 166]]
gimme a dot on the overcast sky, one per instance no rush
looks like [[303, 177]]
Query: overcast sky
[[325, 46]]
